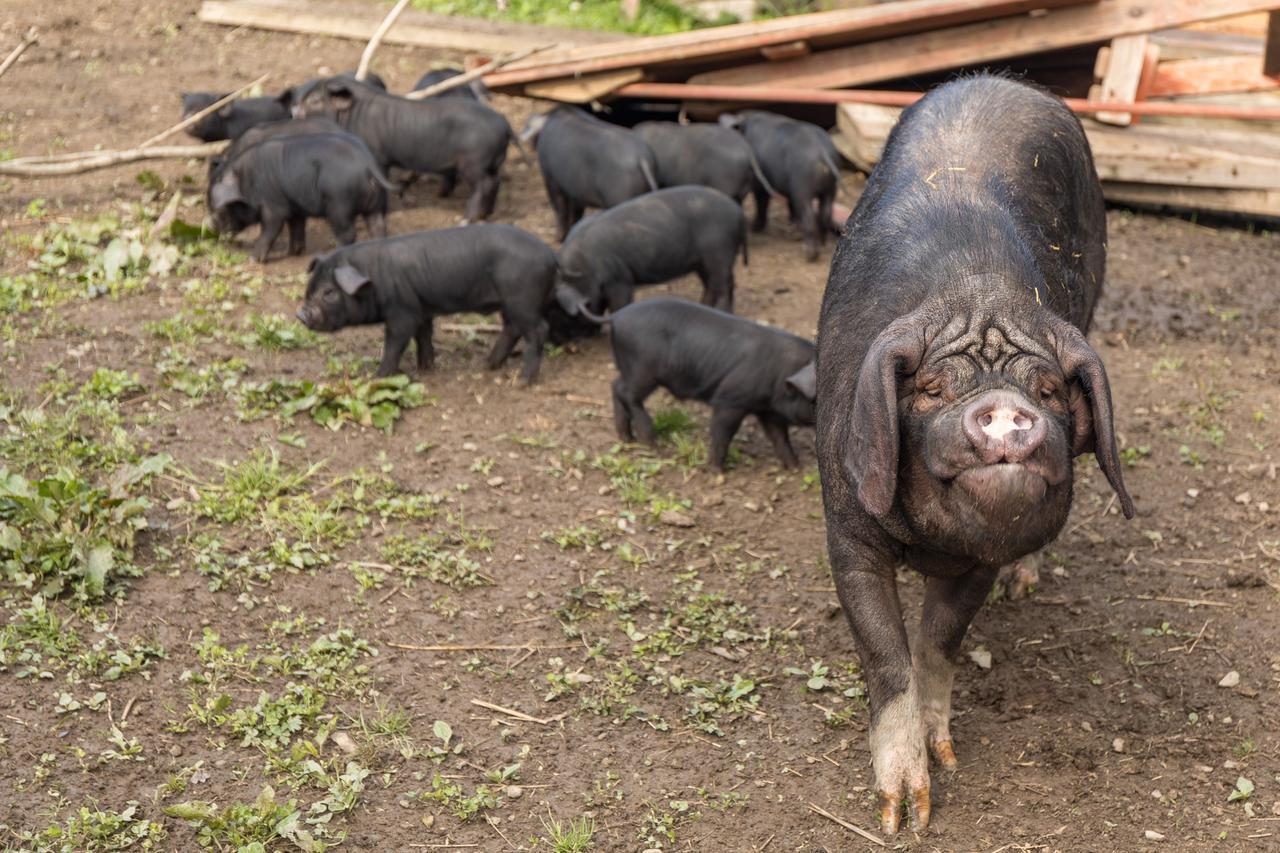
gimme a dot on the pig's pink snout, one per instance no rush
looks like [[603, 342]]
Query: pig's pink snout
[[1003, 427]]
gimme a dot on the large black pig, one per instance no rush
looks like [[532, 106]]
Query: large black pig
[[405, 282], [587, 162], [451, 137], [287, 178], [954, 387], [799, 161], [738, 366], [649, 240]]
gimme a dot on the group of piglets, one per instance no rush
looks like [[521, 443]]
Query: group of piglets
[[670, 196], [586, 162], [323, 150]]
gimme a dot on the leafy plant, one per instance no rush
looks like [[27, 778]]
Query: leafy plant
[[277, 332], [62, 533], [95, 830], [376, 403]]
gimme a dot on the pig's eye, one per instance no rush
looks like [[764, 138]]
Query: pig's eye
[[1047, 392], [933, 391]]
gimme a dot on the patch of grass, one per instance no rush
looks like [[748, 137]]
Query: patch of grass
[[571, 837], [183, 372], [245, 826], [96, 830], [251, 488], [442, 556], [272, 723], [450, 794], [669, 423], [655, 17]]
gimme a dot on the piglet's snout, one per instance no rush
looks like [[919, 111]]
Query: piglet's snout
[[1003, 427]]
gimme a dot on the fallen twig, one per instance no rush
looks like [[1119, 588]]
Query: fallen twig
[[30, 37], [362, 70], [104, 159], [475, 73], [860, 831], [490, 647], [470, 327], [519, 715], [1194, 602]]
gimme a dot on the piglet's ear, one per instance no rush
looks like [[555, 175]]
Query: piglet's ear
[[226, 191], [312, 265], [1090, 403], [350, 279], [873, 441], [805, 381]]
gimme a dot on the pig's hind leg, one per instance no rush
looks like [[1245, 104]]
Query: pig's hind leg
[[629, 415], [297, 235]]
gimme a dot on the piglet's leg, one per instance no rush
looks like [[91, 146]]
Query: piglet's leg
[[272, 225], [297, 235], [864, 577], [426, 349], [949, 607], [503, 346], [396, 336], [776, 429], [724, 425]]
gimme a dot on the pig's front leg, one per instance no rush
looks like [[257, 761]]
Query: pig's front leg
[[724, 425], [949, 607], [864, 577], [272, 225], [396, 336], [776, 428]]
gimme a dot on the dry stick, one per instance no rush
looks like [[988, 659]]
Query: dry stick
[[109, 158], [182, 125], [29, 38], [195, 117], [490, 647], [475, 73], [518, 715], [362, 70], [860, 831]]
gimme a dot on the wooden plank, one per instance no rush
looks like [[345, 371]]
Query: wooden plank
[[1271, 53], [1119, 82], [1244, 202], [358, 21], [744, 41], [864, 129], [974, 44], [585, 89], [1218, 75], [790, 50]]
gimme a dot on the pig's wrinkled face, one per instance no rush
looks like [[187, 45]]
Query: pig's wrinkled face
[[988, 414], [333, 299]]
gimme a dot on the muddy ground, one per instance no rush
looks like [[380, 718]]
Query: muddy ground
[[680, 672]]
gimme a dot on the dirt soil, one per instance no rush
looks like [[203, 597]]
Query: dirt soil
[[689, 681]]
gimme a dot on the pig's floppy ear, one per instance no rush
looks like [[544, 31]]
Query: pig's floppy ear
[[339, 93], [873, 433], [350, 279], [805, 381], [1092, 426], [226, 191]]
